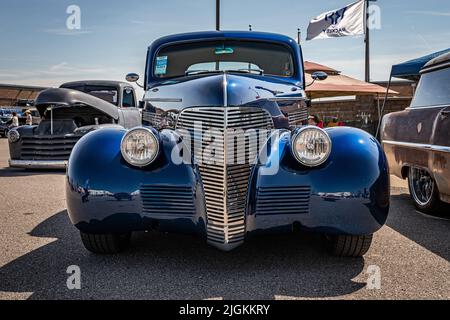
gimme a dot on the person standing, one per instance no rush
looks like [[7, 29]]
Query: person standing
[[314, 120], [15, 120], [29, 121], [333, 123]]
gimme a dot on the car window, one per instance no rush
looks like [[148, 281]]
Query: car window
[[108, 94], [175, 60], [433, 89], [128, 98]]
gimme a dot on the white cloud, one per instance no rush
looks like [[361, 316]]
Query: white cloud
[[55, 73], [67, 32], [428, 13]]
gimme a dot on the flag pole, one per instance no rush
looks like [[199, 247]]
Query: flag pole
[[217, 15], [367, 41], [217, 25]]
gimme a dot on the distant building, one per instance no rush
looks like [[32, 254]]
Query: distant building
[[14, 95], [354, 102]]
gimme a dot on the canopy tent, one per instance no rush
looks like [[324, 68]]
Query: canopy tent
[[410, 70], [338, 84]]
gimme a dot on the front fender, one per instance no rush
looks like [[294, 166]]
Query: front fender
[[348, 194], [105, 194], [16, 147]]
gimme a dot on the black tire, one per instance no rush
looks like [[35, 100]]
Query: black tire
[[348, 246], [429, 203], [105, 243]]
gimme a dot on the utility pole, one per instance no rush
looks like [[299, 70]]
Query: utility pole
[[298, 36], [217, 15]]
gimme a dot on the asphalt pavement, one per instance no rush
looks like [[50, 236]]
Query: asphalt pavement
[[37, 245]]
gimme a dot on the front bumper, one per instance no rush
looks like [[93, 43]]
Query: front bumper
[[38, 164]]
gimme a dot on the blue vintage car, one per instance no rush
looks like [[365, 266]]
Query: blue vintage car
[[225, 152]]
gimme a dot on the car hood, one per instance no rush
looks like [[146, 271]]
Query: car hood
[[68, 98], [219, 89]]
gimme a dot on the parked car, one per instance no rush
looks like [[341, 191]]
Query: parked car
[[218, 100], [67, 114], [121, 94], [417, 140], [4, 128]]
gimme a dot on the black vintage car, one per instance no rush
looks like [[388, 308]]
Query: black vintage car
[[417, 139], [68, 113]]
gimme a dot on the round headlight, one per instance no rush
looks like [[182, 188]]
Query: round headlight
[[13, 136], [139, 147], [311, 146]]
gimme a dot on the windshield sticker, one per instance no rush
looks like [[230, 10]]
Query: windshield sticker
[[161, 65], [223, 50]]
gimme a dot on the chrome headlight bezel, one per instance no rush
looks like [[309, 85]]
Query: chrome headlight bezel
[[322, 134], [13, 136], [144, 162]]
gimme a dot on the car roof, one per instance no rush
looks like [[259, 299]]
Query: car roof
[[437, 62], [248, 35], [109, 83]]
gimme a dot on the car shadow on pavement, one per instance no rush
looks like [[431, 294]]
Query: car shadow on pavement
[[168, 266], [15, 172], [432, 233]]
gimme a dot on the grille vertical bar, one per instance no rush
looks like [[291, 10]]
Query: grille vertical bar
[[225, 181]]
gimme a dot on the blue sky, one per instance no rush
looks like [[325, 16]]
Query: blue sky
[[36, 47]]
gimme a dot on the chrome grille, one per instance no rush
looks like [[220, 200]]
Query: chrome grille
[[283, 200], [225, 183], [151, 119], [163, 202], [297, 117], [48, 147]]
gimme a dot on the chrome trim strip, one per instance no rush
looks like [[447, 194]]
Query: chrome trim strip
[[427, 147], [435, 67], [276, 99], [164, 99], [225, 91], [427, 107], [38, 164]]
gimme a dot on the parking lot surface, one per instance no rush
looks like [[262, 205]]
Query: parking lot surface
[[38, 244]]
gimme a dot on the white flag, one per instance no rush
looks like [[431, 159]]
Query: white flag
[[348, 21]]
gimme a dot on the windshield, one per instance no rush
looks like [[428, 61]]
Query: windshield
[[230, 55], [109, 94]]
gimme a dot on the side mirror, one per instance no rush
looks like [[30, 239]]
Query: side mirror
[[319, 75], [132, 77]]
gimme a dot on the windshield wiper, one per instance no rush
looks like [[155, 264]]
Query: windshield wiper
[[192, 72], [247, 70]]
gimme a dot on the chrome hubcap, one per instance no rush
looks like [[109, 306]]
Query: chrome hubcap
[[421, 186]]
